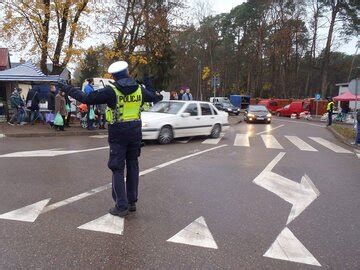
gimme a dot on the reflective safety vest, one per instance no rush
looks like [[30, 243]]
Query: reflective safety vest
[[127, 107], [329, 105]]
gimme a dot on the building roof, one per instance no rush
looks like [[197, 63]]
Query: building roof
[[4, 59], [26, 72]]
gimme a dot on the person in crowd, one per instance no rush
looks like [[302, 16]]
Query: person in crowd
[[180, 95], [89, 88], [124, 99], [330, 110], [60, 107], [17, 107], [101, 108], [68, 110], [32, 103], [51, 101], [357, 141], [187, 95], [173, 95]]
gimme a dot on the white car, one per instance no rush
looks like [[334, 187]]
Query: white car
[[167, 120]]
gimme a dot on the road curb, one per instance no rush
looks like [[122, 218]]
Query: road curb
[[341, 137], [54, 134]]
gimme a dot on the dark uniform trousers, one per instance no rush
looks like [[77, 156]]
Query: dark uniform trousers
[[125, 142]]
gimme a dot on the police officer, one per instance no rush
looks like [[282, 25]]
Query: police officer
[[330, 109], [124, 99]]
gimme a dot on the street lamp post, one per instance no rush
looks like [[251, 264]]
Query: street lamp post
[[199, 77]]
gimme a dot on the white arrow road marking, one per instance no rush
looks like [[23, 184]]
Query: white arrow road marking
[[268, 129], [108, 224], [287, 247], [330, 145], [196, 233], [35, 212], [50, 152], [28, 213], [300, 195]]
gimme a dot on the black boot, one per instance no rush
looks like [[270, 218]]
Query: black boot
[[132, 207], [117, 212]]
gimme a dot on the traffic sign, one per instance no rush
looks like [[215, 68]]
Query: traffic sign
[[317, 96]]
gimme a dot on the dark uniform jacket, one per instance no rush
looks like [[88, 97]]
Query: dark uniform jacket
[[51, 101], [117, 131]]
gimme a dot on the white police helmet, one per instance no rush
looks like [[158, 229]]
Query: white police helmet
[[119, 69]]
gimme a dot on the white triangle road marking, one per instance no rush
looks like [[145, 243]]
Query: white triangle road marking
[[107, 224], [184, 140], [214, 141], [287, 247], [28, 213], [196, 233], [99, 136]]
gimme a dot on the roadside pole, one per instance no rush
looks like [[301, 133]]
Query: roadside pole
[[356, 98]]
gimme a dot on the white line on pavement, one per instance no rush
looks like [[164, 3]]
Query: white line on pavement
[[271, 142], [300, 122], [242, 140], [268, 129], [330, 145], [42, 208], [214, 141], [299, 143]]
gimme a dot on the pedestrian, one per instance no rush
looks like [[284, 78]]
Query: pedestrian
[[68, 110], [124, 99], [174, 95], [32, 103], [181, 93], [51, 103], [17, 107], [60, 107], [89, 88], [187, 95], [330, 110], [358, 127]]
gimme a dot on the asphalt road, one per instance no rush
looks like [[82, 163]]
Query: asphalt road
[[234, 223]]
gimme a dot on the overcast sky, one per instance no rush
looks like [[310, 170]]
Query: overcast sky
[[221, 6]]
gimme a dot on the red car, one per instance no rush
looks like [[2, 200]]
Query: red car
[[295, 107], [271, 104]]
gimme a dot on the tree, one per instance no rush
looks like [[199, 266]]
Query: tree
[[89, 67], [48, 29], [346, 12]]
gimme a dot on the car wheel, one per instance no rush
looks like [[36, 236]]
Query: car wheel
[[166, 135], [215, 132]]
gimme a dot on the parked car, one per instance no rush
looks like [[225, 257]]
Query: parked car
[[258, 113], [227, 107], [219, 99], [271, 104], [295, 107], [171, 119]]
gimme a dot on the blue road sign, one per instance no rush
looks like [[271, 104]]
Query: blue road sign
[[317, 96]]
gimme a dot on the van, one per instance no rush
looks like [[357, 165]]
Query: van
[[295, 107], [271, 104]]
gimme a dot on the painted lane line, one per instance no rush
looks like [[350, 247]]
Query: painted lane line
[[2, 135], [330, 145], [214, 141], [242, 140], [271, 142], [287, 247], [299, 143], [32, 212], [300, 195], [300, 122], [99, 136], [108, 224], [50, 152], [196, 233], [185, 141], [269, 129]]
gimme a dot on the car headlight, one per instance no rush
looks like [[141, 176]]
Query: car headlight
[[268, 115], [250, 115], [145, 124], [229, 109]]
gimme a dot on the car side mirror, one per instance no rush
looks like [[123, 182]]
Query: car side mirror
[[185, 114]]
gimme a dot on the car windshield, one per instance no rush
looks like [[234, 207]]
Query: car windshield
[[167, 107], [257, 108], [226, 104]]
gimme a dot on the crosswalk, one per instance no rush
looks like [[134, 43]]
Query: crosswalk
[[271, 142]]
